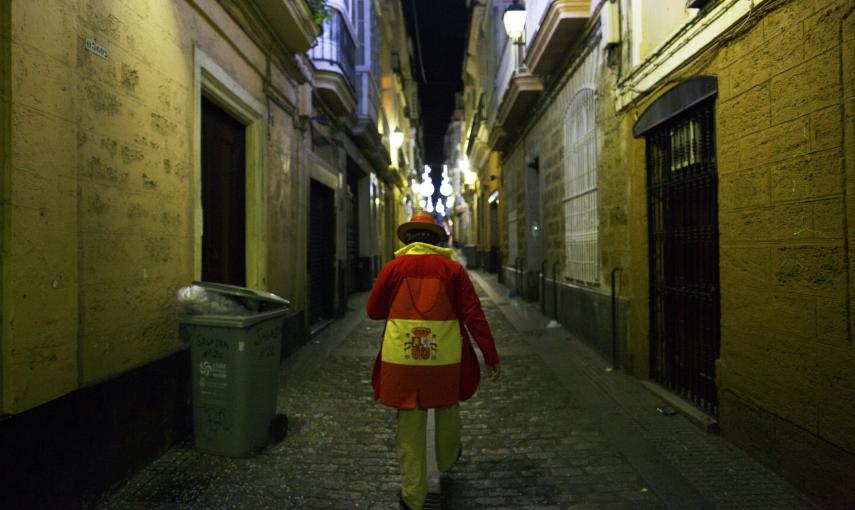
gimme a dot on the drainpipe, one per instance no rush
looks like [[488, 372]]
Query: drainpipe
[[555, 289], [543, 287], [614, 317]]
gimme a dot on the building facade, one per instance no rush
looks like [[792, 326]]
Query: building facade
[[147, 144], [675, 185]]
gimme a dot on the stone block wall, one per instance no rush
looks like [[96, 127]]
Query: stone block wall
[[785, 136], [786, 345], [785, 139], [785, 374], [513, 191], [544, 138]]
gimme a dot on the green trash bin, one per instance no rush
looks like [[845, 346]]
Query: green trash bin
[[235, 372]]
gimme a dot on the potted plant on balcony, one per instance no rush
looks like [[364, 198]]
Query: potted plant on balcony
[[320, 11]]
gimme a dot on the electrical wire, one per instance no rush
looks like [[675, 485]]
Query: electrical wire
[[418, 41]]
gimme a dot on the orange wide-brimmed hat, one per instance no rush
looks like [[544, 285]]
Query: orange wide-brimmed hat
[[421, 220]]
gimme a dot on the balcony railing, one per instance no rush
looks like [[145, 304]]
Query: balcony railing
[[335, 49], [367, 94]]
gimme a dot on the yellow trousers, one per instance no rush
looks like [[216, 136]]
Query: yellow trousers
[[410, 444]]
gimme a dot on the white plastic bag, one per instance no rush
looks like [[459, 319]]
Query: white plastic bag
[[197, 300]]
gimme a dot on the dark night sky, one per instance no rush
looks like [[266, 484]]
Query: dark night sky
[[442, 35]]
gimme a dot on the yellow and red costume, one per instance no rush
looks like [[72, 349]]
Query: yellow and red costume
[[426, 359]]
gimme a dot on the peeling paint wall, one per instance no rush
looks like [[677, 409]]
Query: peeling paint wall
[[101, 188]]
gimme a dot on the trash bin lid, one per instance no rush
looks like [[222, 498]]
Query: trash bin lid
[[252, 298], [231, 321]]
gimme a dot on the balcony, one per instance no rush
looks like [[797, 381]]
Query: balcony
[[291, 21], [560, 29], [514, 94], [364, 126], [369, 97], [333, 56]]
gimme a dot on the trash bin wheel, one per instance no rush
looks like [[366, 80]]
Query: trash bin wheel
[[279, 428]]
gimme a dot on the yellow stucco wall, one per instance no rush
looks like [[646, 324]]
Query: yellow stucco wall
[[41, 260], [101, 211]]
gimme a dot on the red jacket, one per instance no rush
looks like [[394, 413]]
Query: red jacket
[[427, 359]]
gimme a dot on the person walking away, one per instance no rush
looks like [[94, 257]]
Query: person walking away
[[426, 360]]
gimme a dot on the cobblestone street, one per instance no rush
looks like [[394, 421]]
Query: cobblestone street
[[556, 431]]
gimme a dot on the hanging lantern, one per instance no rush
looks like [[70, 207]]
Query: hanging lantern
[[514, 21], [396, 138]]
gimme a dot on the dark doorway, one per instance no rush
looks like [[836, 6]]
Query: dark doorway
[[223, 196], [493, 263], [684, 259], [320, 261], [352, 227]]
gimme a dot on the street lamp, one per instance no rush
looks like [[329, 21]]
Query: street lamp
[[397, 138], [514, 20]]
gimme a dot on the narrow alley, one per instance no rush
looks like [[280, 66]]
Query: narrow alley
[[204, 202], [556, 431]]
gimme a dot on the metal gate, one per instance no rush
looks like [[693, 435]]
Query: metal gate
[[684, 260]]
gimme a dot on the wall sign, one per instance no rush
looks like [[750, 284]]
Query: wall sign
[[93, 47]]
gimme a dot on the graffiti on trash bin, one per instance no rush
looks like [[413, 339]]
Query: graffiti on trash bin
[[215, 419], [213, 354], [266, 340], [212, 343], [212, 348]]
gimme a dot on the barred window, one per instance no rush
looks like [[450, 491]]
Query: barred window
[[580, 189]]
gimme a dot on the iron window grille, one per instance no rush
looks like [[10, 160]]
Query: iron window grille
[[580, 191]]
